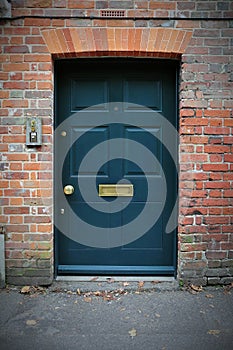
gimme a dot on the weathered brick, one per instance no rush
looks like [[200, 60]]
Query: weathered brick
[[89, 4], [211, 281]]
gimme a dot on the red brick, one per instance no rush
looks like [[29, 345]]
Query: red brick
[[36, 219], [228, 140], [228, 193], [38, 22], [227, 229], [216, 131], [16, 210], [215, 167], [216, 255], [73, 4], [189, 247], [37, 58], [16, 166], [223, 113], [216, 149], [44, 228], [34, 40], [16, 40], [16, 49], [14, 139], [215, 122], [213, 220], [217, 184], [186, 112], [193, 158], [216, 158], [167, 5], [215, 194], [215, 202], [38, 76], [195, 121], [16, 201], [16, 220], [227, 246], [228, 122]]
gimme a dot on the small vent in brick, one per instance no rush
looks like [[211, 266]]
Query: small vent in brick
[[112, 13]]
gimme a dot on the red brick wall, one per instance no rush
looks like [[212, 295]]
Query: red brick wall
[[205, 249]]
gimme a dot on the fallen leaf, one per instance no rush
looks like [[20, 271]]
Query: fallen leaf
[[87, 299], [132, 332], [108, 297], [25, 290], [141, 284], [94, 279], [228, 288], [214, 331], [209, 296], [98, 293], [78, 291], [196, 288], [31, 322], [32, 290], [155, 282], [125, 284]]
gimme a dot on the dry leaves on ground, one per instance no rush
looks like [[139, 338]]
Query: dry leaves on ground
[[32, 290], [214, 331], [31, 322], [133, 332], [227, 289], [125, 284], [193, 289], [209, 296], [87, 299], [105, 295], [141, 284]]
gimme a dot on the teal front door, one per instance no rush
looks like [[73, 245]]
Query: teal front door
[[115, 177]]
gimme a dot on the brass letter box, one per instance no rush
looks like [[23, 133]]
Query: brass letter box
[[115, 190]]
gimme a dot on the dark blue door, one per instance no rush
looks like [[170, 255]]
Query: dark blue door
[[108, 118]]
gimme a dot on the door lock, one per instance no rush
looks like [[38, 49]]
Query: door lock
[[68, 190]]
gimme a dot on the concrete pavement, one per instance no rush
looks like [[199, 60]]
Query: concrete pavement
[[116, 315]]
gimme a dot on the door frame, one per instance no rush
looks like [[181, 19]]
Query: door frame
[[176, 182]]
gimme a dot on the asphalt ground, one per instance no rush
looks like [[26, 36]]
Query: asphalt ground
[[116, 315]]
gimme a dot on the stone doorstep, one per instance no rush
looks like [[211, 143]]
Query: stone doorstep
[[129, 283]]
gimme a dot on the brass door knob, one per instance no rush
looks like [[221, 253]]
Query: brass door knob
[[68, 189]]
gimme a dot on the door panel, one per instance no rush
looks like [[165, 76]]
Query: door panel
[[151, 96], [146, 84], [88, 93]]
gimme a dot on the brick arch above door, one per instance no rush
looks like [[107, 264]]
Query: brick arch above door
[[159, 42]]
